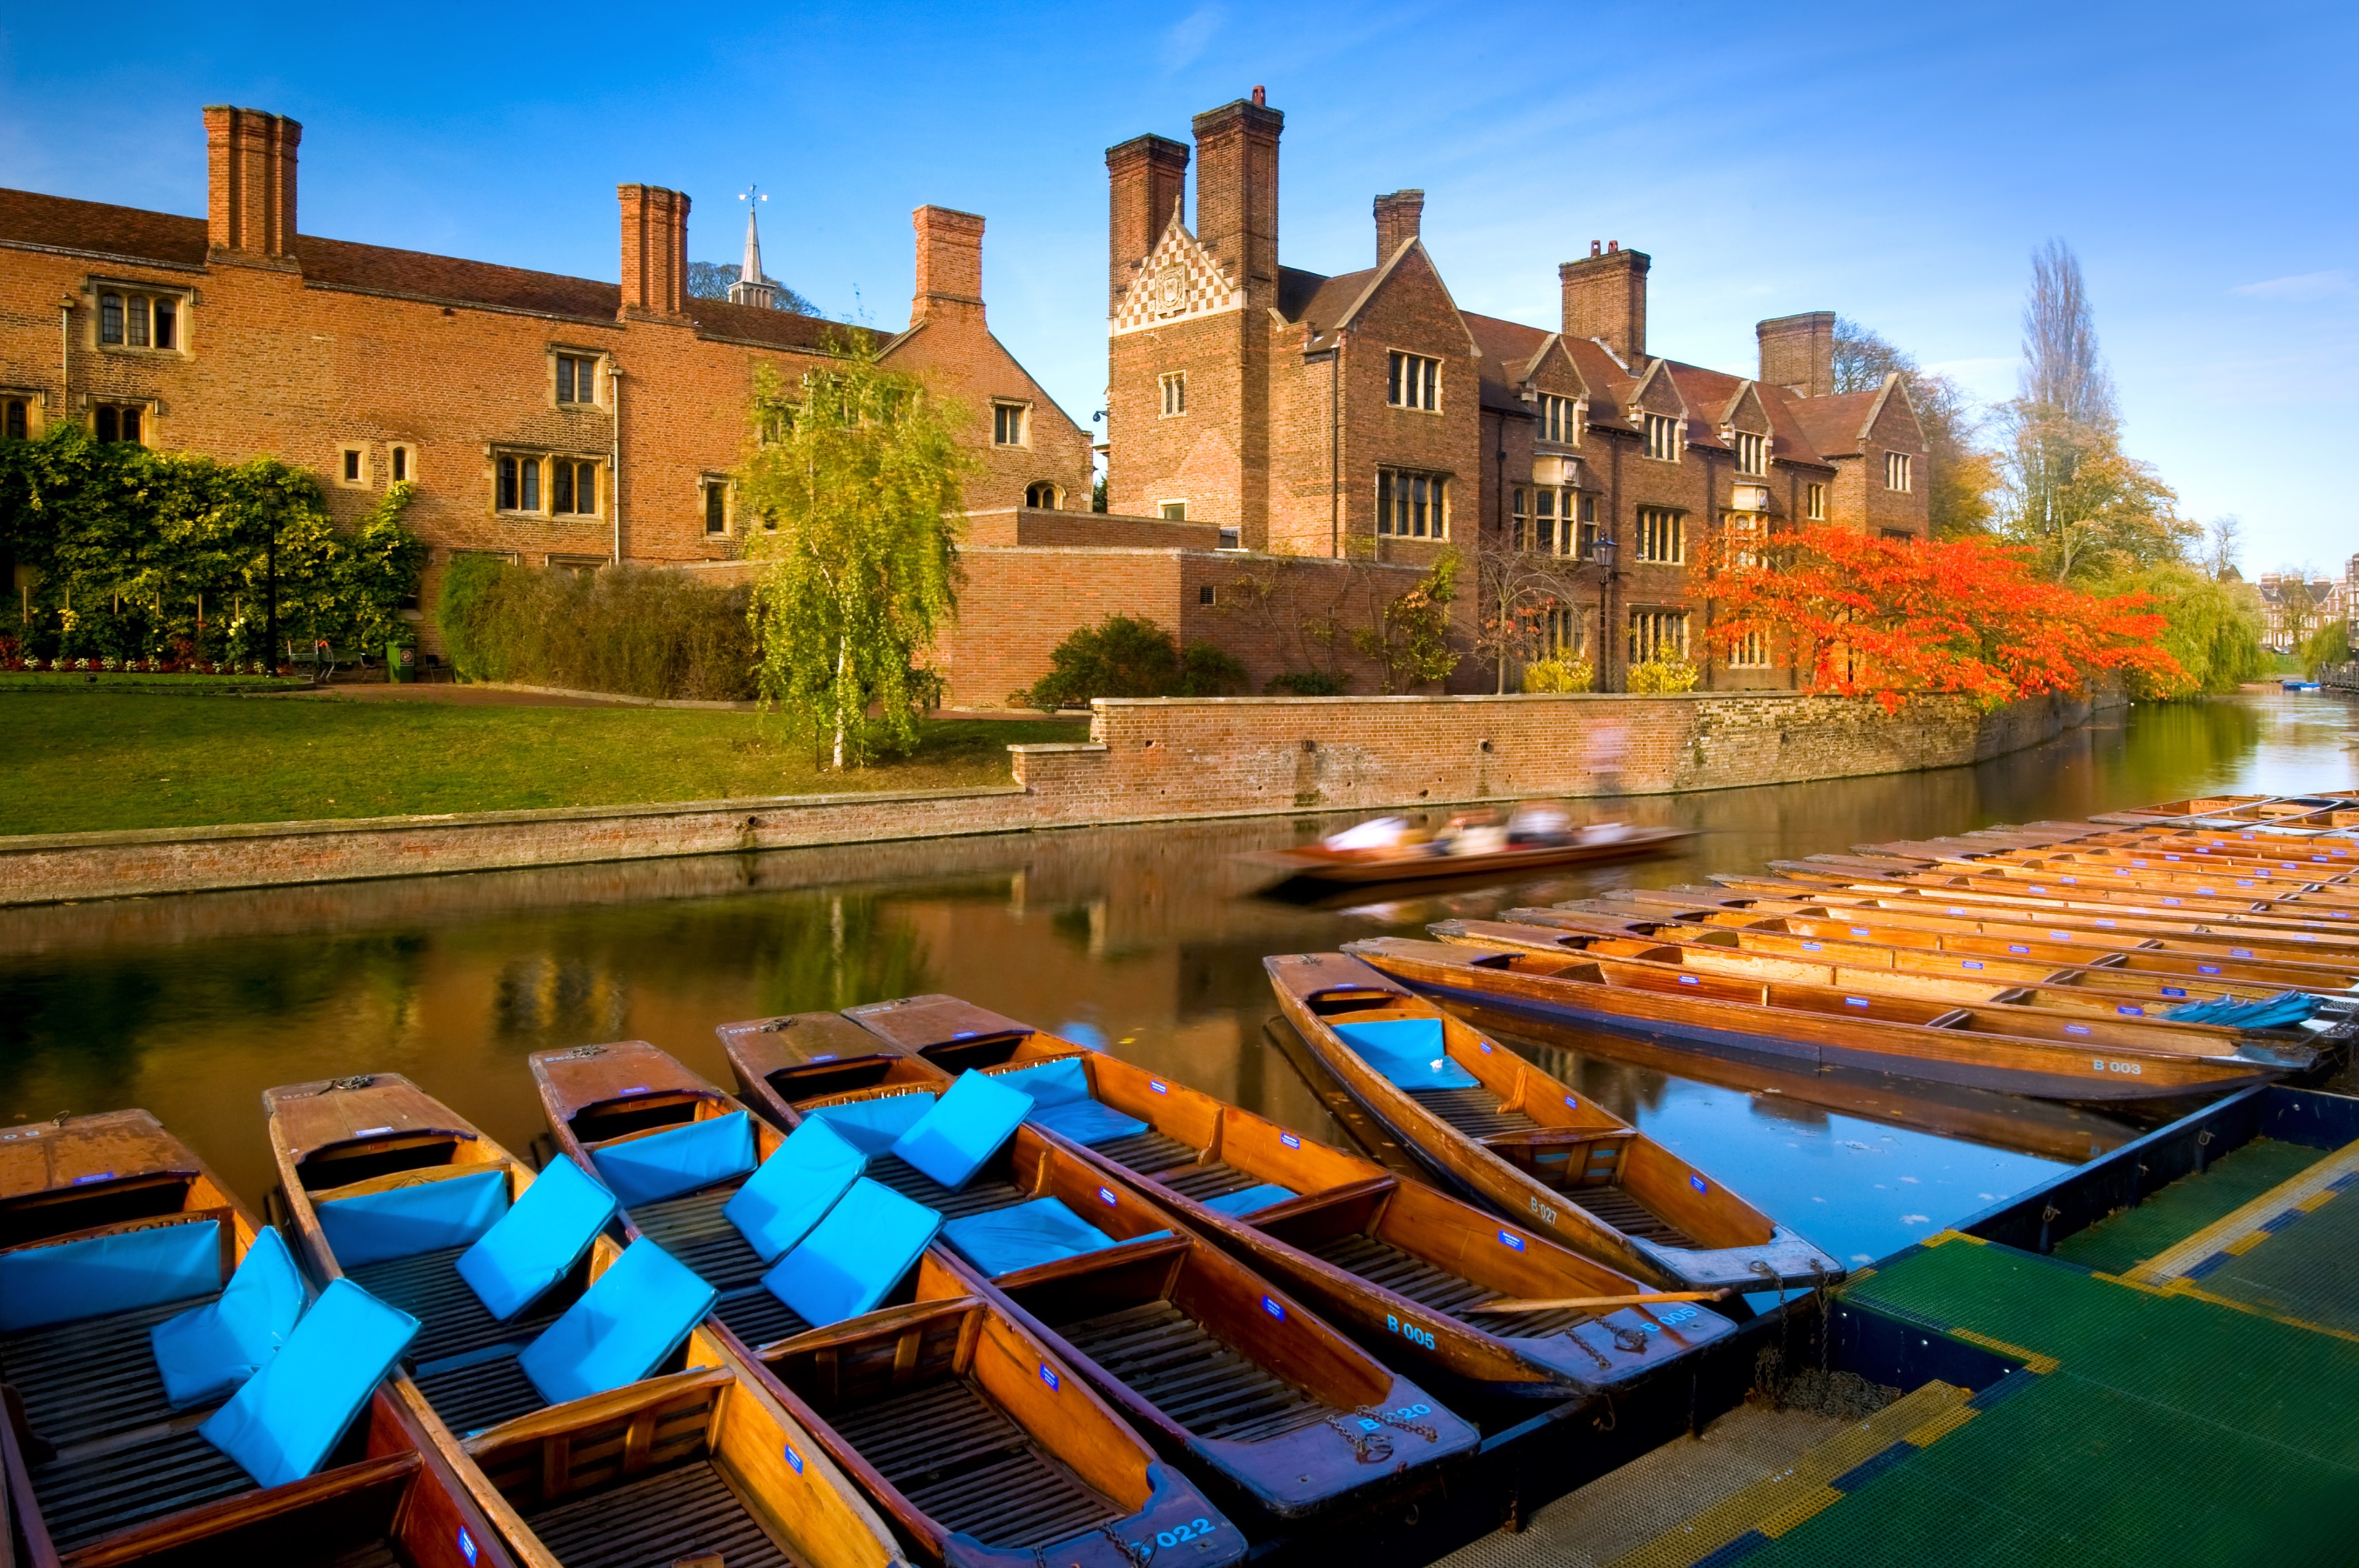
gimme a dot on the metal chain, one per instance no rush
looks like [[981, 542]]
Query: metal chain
[[1138, 1554], [357, 1081], [1429, 1433], [1368, 1449]]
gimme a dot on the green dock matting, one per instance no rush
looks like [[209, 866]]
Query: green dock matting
[[2147, 1428], [2165, 1218], [2288, 1253]]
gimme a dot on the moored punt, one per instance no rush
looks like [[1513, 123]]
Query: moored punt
[[1219, 1369], [844, 1219], [2290, 913], [1408, 1269], [1910, 972], [570, 1383], [1314, 862], [1983, 1047], [1494, 1125], [174, 1391]]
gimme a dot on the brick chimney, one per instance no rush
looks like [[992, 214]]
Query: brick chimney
[[1146, 178], [1605, 297], [1397, 217], [250, 186], [1798, 352], [654, 251], [1237, 192], [950, 263]]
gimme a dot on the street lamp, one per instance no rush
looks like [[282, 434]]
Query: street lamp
[[1601, 550]]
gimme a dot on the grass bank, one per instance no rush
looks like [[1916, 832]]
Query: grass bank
[[86, 762]]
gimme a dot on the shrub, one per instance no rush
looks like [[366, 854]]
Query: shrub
[[641, 632], [1659, 675], [1304, 683], [1558, 674], [1206, 671]]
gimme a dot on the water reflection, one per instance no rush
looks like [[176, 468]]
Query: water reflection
[[1153, 936]]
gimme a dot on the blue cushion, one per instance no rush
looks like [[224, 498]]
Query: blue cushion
[[1050, 1083], [870, 1125], [207, 1353], [1248, 1200], [1408, 1053], [402, 1222], [1062, 1103], [965, 1128], [514, 1262], [1007, 1239], [795, 1188], [635, 1314], [680, 1160], [283, 1423], [103, 1274], [854, 1255]]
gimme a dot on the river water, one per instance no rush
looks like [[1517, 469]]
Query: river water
[[1150, 938]]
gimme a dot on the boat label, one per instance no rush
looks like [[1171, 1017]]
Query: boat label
[[1292, 1141], [794, 1460], [1570, 1103], [1158, 1085], [2174, 990], [1407, 1413], [2243, 881], [1188, 1532], [1812, 946], [1956, 912], [2240, 952], [1105, 1195], [1854, 1001], [2068, 880], [2133, 1069], [1689, 980], [2017, 947], [1274, 1307], [637, 1089], [2171, 901], [466, 1544], [1671, 1317], [2131, 1011], [963, 1034], [2037, 888], [1971, 964], [824, 1057], [1859, 930], [2100, 923], [2207, 969], [1698, 1183], [1510, 1239], [1409, 1331], [373, 1132], [94, 1176], [1547, 1214], [2076, 1029], [1048, 1376]]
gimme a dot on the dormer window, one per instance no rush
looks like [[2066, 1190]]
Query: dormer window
[[1663, 433], [1752, 453], [1556, 420]]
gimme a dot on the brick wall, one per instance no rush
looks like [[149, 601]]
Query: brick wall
[[1147, 761]]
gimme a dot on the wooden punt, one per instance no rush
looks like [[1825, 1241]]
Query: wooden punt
[[1407, 1269], [2169, 975], [2287, 914], [1982, 1047], [1314, 862], [1862, 966], [690, 1461], [630, 1089], [1528, 1145], [1220, 1371], [100, 1468]]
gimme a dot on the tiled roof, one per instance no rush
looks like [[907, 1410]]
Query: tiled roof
[[1833, 424], [65, 223], [1320, 301]]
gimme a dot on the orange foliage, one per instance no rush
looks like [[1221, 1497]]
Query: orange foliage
[[1881, 618]]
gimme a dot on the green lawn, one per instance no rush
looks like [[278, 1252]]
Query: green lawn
[[81, 761]]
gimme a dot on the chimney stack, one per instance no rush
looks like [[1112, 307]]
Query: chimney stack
[[1237, 192], [654, 251], [1146, 178], [250, 186], [950, 262], [1397, 217], [1798, 352], [1605, 297]]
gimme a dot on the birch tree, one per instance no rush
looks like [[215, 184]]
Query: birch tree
[[852, 495]]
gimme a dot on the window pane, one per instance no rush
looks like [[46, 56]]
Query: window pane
[[110, 318], [400, 464], [351, 466], [15, 419], [167, 317], [107, 425], [131, 425], [560, 487], [586, 491], [717, 515], [528, 490], [507, 487], [136, 324]]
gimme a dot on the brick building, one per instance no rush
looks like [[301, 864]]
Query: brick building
[[558, 421], [1365, 412]]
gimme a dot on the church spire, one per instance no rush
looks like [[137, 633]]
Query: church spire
[[752, 286]]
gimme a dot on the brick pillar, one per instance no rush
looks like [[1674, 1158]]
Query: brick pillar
[[950, 262], [654, 251], [1397, 217], [1146, 178], [1236, 194], [1605, 297], [250, 186], [1798, 352]]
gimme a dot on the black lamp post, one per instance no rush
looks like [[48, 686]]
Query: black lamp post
[[1601, 550]]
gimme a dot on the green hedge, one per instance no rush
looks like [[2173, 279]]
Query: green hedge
[[637, 631]]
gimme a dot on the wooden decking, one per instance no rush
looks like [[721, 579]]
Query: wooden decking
[[966, 1466]]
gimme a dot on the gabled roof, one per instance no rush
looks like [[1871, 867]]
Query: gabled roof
[[1336, 302], [1837, 426]]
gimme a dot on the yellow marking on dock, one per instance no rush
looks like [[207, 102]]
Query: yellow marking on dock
[[2033, 1361], [2241, 1230], [2190, 1288], [1942, 1237], [1941, 1426]]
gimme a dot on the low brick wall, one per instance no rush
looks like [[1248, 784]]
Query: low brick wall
[[1147, 760]]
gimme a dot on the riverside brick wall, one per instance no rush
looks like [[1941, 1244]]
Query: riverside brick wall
[[1147, 760]]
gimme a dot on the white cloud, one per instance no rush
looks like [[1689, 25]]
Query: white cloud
[[2301, 288], [1187, 38]]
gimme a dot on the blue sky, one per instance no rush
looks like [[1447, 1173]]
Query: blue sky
[[1896, 164]]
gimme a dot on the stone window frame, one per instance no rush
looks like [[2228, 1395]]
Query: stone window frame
[[579, 565], [1172, 511], [1418, 374], [1000, 410], [1752, 451], [401, 463], [1652, 627], [29, 404], [1665, 435], [1174, 387], [1814, 502], [105, 410], [544, 482], [712, 486], [1749, 652], [124, 290], [1566, 506], [1651, 527], [595, 362], [1564, 629], [1898, 467], [1388, 502], [1559, 419], [350, 469], [1056, 495]]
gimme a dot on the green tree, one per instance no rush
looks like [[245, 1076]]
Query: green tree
[[2212, 625], [1126, 656], [1409, 640], [2327, 647], [854, 471], [1958, 491]]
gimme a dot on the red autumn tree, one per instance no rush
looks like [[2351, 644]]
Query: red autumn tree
[[1882, 618]]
